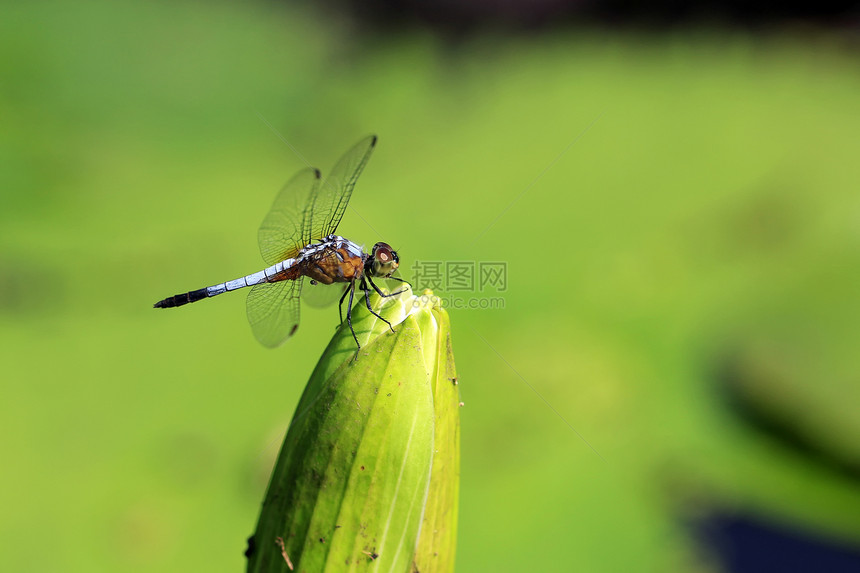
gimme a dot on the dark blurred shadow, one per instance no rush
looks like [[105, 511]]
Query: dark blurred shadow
[[463, 17], [746, 543], [743, 377]]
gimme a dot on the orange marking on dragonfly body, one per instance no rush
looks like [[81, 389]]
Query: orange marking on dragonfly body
[[338, 266], [289, 274]]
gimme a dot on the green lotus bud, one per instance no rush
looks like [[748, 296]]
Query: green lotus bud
[[352, 484], [438, 541]]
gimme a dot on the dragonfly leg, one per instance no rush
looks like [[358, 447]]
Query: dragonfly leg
[[382, 294], [340, 305], [373, 312], [399, 280], [349, 315]]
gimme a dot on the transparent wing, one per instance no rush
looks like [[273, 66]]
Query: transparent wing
[[286, 228], [273, 311], [336, 188], [321, 296]]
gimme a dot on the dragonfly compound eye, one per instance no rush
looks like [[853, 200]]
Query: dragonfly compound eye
[[385, 260]]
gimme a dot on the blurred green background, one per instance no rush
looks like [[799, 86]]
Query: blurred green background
[[682, 280]]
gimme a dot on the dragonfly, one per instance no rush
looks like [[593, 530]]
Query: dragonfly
[[298, 240]]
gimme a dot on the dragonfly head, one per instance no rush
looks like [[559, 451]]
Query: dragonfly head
[[383, 260]]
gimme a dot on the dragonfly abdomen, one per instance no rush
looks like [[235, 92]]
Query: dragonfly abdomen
[[184, 298], [284, 270]]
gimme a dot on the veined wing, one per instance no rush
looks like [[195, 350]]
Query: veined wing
[[286, 228], [321, 296], [273, 311], [336, 188]]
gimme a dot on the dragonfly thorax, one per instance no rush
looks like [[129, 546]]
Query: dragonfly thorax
[[332, 259], [329, 244]]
